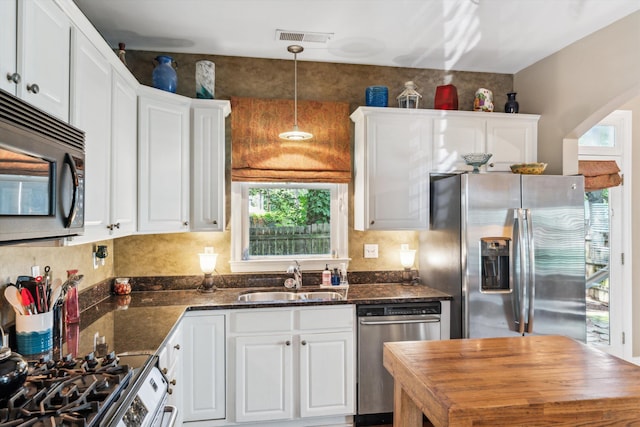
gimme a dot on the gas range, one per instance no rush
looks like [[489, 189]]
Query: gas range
[[84, 392]]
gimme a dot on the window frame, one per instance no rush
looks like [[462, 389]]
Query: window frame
[[240, 230]]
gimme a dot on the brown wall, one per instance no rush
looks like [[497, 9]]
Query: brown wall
[[263, 78]]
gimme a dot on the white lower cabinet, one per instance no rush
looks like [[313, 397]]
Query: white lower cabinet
[[264, 377], [292, 364], [170, 362], [203, 366], [326, 374]]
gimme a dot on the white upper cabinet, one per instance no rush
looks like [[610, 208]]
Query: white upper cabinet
[[42, 56], [163, 161], [91, 112], [396, 150], [453, 136], [392, 163], [104, 105], [510, 138], [8, 41], [124, 155], [207, 164]]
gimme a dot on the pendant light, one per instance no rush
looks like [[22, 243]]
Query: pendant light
[[295, 134]]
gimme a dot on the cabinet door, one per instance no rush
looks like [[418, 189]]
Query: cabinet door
[[204, 367], [394, 163], [124, 154], [327, 374], [43, 56], [91, 112], [170, 362], [511, 140], [8, 41], [163, 163], [208, 162], [263, 373], [454, 136]]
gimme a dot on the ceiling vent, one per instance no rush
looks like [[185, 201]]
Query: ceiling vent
[[303, 36]]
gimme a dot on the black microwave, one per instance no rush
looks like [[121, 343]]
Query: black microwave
[[42, 172]]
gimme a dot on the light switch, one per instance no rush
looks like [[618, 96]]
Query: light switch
[[370, 250]]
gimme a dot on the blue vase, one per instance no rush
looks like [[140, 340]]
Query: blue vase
[[164, 77], [377, 96]]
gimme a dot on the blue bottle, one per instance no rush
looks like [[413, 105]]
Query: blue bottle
[[164, 76]]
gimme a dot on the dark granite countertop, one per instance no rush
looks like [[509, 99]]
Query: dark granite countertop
[[141, 321]]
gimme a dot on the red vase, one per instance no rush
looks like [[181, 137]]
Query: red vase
[[446, 98]]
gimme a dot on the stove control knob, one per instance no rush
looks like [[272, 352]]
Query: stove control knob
[[172, 382]]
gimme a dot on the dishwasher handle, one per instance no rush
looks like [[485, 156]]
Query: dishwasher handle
[[433, 319]]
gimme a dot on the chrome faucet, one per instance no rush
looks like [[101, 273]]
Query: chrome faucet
[[296, 282]]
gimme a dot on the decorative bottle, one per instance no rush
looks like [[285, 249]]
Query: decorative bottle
[[164, 76], [205, 79], [122, 53], [512, 105], [326, 276]]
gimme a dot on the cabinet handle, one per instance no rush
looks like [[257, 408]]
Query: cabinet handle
[[165, 370], [172, 382], [491, 165], [34, 88], [303, 342], [215, 222], [177, 346], [287, 342], [14, 78], [112, 226], [170, 390], [372, 222], [186, 223]]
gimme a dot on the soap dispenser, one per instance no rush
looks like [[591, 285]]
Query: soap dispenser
[[326, 276]]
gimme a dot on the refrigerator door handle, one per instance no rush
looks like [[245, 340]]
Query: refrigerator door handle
[[521, 285], [531, 270]]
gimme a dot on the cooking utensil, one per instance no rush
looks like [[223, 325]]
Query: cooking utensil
[[41, 298], [12, 294], [27, 301], [56, 291]]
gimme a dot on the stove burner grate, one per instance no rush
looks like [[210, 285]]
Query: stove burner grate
[[67, 393]]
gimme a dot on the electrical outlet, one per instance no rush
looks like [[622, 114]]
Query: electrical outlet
[[370, 250]]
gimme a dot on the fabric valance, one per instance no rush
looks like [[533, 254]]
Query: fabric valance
[[599, 174], [258, 154]]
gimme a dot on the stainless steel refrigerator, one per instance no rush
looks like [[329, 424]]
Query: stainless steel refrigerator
[[510, 249]]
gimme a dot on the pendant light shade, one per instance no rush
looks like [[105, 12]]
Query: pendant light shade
[[295, 134]]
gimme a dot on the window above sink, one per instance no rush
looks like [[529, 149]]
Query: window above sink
[[242, 207]]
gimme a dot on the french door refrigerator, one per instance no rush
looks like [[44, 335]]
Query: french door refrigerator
[[510, 249]]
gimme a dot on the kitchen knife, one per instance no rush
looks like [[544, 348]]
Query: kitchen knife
[[41, 298]]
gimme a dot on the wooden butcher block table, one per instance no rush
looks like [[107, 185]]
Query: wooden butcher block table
[[520, 381]]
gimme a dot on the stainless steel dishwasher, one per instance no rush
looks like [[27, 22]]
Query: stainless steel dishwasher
[[378, 324]]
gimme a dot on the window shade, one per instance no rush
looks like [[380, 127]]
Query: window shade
[[258, 154], [599, 174]]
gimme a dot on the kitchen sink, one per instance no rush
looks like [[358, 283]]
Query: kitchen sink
[[284, 296], [324, 296]]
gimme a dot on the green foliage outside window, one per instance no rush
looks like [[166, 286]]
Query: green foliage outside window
[[278, 207]]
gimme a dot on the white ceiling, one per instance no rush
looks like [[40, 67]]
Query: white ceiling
[[502, 36]]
